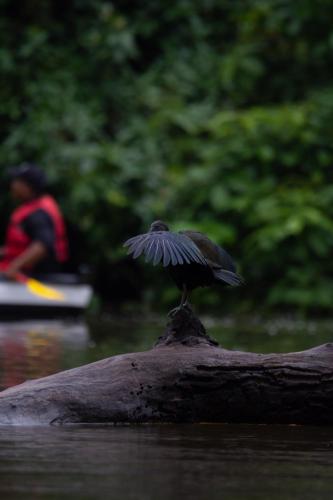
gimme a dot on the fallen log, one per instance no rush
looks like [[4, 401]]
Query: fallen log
[[185, 377]]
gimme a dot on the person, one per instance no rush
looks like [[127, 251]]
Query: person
[[36, 239]]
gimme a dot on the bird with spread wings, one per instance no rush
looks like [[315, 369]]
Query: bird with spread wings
[[191, 258]]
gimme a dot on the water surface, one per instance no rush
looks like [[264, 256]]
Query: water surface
[[167, 462], [143, 462]]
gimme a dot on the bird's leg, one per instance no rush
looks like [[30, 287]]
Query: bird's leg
[[182, 304], [183, 301]]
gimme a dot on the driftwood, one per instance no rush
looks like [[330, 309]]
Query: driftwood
[[186, 377]]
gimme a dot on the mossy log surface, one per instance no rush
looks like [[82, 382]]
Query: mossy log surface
[[185, 377]]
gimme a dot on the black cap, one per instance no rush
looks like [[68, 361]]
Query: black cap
[[31, 174]]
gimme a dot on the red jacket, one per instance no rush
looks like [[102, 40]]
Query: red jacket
[[17, 241]]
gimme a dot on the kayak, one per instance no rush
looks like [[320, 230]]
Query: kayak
[[16, 298]]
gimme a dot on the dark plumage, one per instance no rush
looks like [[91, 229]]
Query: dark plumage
[[191, 258]]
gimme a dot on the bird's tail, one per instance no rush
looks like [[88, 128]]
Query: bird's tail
[[228, 277]]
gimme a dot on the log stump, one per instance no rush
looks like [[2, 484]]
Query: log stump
[[185, 377]]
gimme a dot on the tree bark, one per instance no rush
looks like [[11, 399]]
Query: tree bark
[[186, 377]]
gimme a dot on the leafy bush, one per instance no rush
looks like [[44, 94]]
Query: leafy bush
[[214, 115]]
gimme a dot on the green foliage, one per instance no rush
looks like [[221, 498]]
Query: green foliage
[[214, 115]]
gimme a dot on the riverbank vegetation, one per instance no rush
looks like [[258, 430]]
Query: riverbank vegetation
[[213, 115]]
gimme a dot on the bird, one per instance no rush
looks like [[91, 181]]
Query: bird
[[191, 258]]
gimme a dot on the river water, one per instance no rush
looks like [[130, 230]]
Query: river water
[[167, 462], [155, 462]]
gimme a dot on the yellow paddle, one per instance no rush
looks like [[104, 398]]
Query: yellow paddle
[[37, 288]]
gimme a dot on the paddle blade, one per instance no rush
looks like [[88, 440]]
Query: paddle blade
[[47, 292]]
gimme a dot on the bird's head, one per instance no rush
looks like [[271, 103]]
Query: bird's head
[[158, 225]]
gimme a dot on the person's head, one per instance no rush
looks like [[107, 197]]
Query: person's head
[[27, 181]]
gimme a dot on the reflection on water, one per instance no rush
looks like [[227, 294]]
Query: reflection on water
[[31, 349], [196, 462]]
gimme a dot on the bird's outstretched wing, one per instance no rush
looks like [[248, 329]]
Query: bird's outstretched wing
[[165, 247]]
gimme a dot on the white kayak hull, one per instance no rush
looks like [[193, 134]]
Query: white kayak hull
[[17, 295]]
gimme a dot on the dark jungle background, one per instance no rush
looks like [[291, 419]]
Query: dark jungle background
[[210, 114]]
